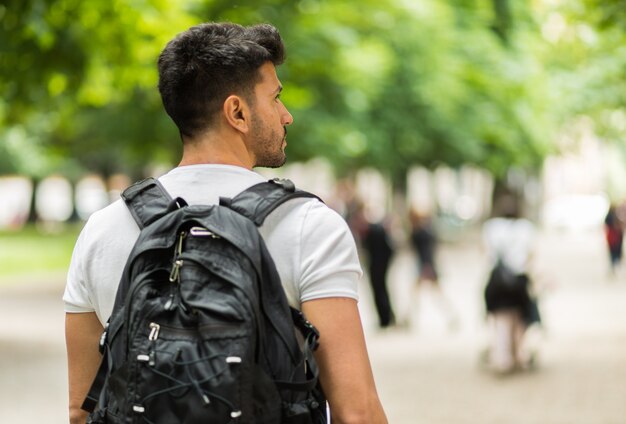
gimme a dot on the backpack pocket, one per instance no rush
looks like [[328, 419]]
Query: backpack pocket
[[191, 375]]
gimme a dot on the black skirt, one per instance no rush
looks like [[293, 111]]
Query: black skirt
[[516, 295]]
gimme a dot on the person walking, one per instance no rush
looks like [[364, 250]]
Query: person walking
[[511, 306], [376, 242], [218, 83], [375, 245], [614, 234], [424, 242]]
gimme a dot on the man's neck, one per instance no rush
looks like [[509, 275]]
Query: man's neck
[[215, 149]]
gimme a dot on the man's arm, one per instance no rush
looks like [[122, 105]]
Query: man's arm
[[82, 335], [345, 371]]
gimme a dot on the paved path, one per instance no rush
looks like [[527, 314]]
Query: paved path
[[425, 374], [428, 375]]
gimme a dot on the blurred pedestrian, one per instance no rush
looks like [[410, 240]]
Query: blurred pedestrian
[[424, 242], [376, 246], [379, 248], [511, 306], [614, 234]]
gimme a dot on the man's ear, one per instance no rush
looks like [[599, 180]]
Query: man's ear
[[237, 113]]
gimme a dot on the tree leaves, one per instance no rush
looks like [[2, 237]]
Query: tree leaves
[[383, 83]]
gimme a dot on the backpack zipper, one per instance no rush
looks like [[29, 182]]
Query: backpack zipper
[[178, 263], [154, 334], [157, 329], [202, 232], [154, 331], [175, 272]]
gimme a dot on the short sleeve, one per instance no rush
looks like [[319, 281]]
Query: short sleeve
[[329, 263], [76, 296]]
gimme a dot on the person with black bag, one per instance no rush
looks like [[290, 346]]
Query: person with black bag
[[236, 297], [509, 300]]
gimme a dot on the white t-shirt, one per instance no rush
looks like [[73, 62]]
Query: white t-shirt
[[314, 251], [510, 240]]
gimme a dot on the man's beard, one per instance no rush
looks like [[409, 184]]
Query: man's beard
[[268, 145]]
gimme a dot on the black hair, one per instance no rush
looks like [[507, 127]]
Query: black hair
[[202, 66], [507, 206]]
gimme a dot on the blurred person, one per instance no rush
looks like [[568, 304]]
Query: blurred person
[[375, 244], [379, 248], [614, 235], [511, 306], [219, 85], [424, 243]]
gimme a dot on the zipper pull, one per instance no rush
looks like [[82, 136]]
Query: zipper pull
[[169, 304], [154, 331], [181, 237], [154, 334], [202, 232], [175, 274]]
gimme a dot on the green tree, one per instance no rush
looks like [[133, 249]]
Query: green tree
[[387, 83]]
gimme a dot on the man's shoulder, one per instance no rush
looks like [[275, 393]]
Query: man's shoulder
[[301, 216], [313, 209], [112, 221], [114, 211]]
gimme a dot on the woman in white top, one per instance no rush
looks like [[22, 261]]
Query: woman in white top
[[509, 241]]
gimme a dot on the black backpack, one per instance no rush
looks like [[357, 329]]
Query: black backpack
[[201, 331], [503, 276]]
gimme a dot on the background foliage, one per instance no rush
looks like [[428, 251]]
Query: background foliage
[[383, 83]]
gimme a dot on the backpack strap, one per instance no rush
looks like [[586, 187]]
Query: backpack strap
[[258, 201], [148, 201], [96, 394]]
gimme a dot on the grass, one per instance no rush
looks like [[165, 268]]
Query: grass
[[31, 251]]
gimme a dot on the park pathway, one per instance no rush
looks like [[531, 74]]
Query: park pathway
[[426, 374]]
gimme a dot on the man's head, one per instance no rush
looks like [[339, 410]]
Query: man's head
[[201, 67]]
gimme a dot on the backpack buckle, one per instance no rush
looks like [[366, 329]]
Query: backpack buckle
[[284, 183], [103, 338], [308, 330]]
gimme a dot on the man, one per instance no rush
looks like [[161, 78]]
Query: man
[[219, 85]]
